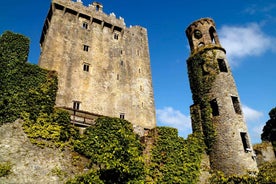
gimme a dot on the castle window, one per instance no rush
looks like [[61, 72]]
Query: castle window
[[138, 52], [85, 25], [214, 107], [76, 105], [122, 116], [97, 7], [86, 67], [116, 36], [197, 34], [122, 63], [245, 142], [222, 65], [118, 76], [236, 104], [85, 48], [213, 35]]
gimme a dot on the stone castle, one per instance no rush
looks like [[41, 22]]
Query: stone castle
[[104, 69], [216, 111], [103, 66]]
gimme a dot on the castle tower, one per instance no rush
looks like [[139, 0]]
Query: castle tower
[[216, 111], [103, 66]]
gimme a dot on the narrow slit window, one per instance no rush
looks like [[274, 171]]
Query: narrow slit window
[[85, 48], [222, 65], [214, 106], [245, 142], [122, 63], [116, 36], [76, 105], [236, 104], [122, 116], [86, 67], [213, 35], [85, 25], [97, 7]]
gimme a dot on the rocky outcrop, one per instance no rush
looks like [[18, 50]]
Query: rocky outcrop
[[32, 164]]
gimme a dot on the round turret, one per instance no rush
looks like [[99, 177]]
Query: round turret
[[202, 33], [216, 112]]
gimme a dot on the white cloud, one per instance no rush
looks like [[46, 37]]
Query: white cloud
[[254, 120], [250, 114], [244, 41], [174, 118]]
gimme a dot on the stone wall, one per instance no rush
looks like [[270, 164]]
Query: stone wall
[[264, 152]]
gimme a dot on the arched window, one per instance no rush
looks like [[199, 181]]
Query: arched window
[[213, 35]]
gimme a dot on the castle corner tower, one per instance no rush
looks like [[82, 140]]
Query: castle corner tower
[[103, 66], [216, 111]]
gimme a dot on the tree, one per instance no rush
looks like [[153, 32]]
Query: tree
[[269, 130]]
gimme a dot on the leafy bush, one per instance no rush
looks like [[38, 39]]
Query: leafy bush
[[174, 159], [50, 130], [114, 150], [5, 169]]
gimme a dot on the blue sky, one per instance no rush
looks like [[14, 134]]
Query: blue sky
[[246, 28]]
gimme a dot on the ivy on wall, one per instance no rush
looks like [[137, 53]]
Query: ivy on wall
[[174, 159], [115, 153], [24, 87], [29, 92], [202, 73]]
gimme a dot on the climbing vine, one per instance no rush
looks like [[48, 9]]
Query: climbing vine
[[29, 92], [202, 73], [115, 153], [174, 159]]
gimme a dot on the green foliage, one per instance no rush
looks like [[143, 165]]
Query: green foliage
[[14, 47], [266, 175], [173, 159], [50, 129], [202, 74], [24, 87], [92, 177], [114, 150], [59, 172], [29, 92], [5, 169]]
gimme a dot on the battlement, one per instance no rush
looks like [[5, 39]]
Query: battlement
[[91, 14], [92, 11], [201, 33]]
